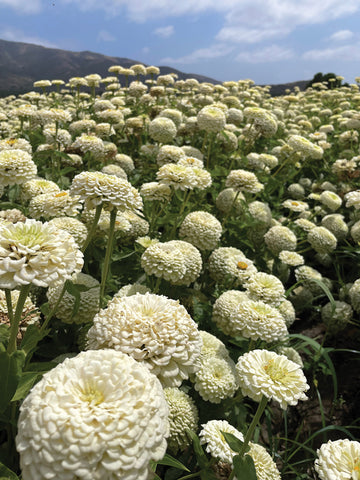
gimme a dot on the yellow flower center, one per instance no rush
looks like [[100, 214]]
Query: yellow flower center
[[61, 194], [275, 372], [92, 395], [295, 204], [242, 265], [11, 141]]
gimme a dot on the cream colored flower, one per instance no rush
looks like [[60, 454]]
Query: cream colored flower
[[280, 238], [132, 289], [292, 259], [89, 143], [33, 252], [16, 167], [98, 415], [216, 379], [49, 205], [212, 346], [243, 181], [73, 226], [152, 329], [37, 186], [211, 434], [201, 229], [183, 416], [304, 147], [178, 176], [265, 287], [162, 129], [223, 309], [336, 319], [322, 240], [96, 188], [230, 264], [338, 460], [211, 119], [154, 191], [265, 373], [265, 466], [229, 199], [257, 320], [353, 199]]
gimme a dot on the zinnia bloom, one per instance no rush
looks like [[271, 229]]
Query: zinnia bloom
[[152, 329], [33, 252], [266, 373], [96, 188], [99, 415], [338, 460]]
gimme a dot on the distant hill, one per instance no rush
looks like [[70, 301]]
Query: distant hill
[[21, 64]]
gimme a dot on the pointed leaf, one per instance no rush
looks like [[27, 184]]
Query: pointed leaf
[[199, 452], [172, 462], [27, 381], [10, 373], [244, 468], [234, 443], [6, 473]]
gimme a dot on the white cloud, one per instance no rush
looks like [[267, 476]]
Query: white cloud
[[15, 35], [214, 51], [341, 36], [164, 32], [22, 6], [105, 36], [145, 50], [273, 53], [345, 53]]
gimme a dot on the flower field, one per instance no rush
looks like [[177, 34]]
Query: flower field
[[180, 281]]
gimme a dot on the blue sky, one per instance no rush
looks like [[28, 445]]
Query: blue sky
[[269, 41]]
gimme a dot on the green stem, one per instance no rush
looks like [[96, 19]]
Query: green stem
[[9, 305], [53, 310], [14, 328], [93, 227], [109, 249], [250, 432], [179, 215], [253, 424], [157, 285]]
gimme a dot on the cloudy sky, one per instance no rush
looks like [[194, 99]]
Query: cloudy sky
[[269, 41]]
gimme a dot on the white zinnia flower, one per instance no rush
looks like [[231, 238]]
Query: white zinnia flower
[[183, 415], [16, 167], [216, 379], [97, 187], [257, 320], [99, 415], [338, 460], [265, 373], [152, 329], [33, 252], [265, 287], [201, 229], [216, 443]]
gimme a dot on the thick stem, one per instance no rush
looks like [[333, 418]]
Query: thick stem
[[14, 328], [253, 424], [53, 310], [250, 432], [9, 305], [93, 227], [179, 215], [109, 249]]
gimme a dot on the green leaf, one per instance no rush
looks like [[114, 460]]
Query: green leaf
[[234, 443], [10, 373], [244, 468], [172, 462], [199, 452], [6, 473], [4, 333], [27, 381], [31, 338]]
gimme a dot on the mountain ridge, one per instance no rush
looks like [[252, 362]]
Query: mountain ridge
[[21, 64]]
